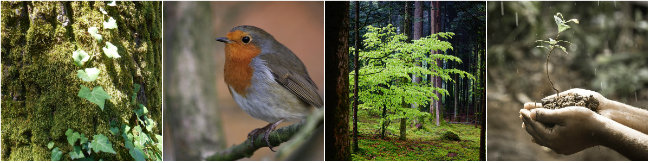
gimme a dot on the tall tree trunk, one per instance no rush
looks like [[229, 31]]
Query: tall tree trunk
[[483, 109], [356, 77], [408, 32], [383, 122], [337, 133]]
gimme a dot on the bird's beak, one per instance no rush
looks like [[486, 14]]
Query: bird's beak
[[223, 39]]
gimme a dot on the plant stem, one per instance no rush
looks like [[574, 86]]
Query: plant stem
[[548, 57]]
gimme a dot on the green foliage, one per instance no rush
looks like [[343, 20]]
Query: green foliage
[[95, 33], [97, 96], [388, 62], [562, 25], [80, 57], [72, 136], [89, 74], [76, 153], [100, 143], [56, 154], [50, 145], [110, 24], [111, 50]]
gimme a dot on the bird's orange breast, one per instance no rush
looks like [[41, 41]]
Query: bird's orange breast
[[237, 70]]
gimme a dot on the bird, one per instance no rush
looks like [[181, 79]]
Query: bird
[[266, 79]]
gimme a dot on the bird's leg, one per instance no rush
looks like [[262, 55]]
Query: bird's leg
[[270, 128], [266, 130]]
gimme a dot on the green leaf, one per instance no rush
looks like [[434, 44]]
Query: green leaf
[[574, 20], [159, 144], [80, 57], [102, 10], [150, 124], [72, 138], [110, 24], [56, 154], [112, 3], [97, 96], [142, 110], [135, 93], [115, 130], [50, 145], [83, 139], [88, 75], [127, 136], [76, 153], [111, 50], [137, 154], [95, 33], [100, 143], [140, 138]]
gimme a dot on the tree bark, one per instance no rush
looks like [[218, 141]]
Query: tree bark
[[355, 131], [337, 134], [408, 32]]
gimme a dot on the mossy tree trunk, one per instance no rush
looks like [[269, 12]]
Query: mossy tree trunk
[[39, 77]]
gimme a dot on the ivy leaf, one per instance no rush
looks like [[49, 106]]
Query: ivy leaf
[[140, 138], [89, 74], [102, 10], [137, 154], [50, 145], [83, 139], [115, 130], [128, 137], [97, 96], [110, 24], [100, 143], [80, 57], [76, 153], [56, 154], [73, 137], [150, 124], [94, 32], [111, 50], [142, 110]]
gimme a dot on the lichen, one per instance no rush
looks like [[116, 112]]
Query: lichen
[[39, 83]]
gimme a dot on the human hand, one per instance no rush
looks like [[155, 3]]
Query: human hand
[[566, 131]]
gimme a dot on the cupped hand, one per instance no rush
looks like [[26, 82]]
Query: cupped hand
[[566, 131]]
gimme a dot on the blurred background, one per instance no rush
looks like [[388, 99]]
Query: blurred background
[[200, 116], [609, 55]]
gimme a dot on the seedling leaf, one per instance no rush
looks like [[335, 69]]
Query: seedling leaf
[[111, 50], [80, 57], [89, 74], [100, 143], [94, 32], [97, 96]]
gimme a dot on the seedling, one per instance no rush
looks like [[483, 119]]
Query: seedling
[[552, 44]]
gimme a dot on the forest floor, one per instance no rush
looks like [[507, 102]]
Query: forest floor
[[425, 144]]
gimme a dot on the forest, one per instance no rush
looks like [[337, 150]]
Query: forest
[[409, 79]]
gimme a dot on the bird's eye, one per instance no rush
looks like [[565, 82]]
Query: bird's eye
[[246, 39]]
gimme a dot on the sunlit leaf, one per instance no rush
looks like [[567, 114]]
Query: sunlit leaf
[[113, 3], [137, 154], [95, 33], [89, 74], [96, 96], [110, 24], [110, 50], [80, 57], [102, 10], [50, 145]]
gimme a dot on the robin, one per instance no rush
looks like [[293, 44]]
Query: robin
[[266, 79]]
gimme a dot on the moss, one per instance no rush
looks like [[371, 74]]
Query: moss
[[39, 83]]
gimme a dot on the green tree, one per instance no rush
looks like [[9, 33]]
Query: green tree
[[388, 66]]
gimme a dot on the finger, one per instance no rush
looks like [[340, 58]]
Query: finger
[[532, 105], [557, 116], [535, 129]]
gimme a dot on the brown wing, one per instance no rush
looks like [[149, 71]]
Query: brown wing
[[293, 76]]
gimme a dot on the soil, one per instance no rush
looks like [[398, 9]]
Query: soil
[[571, 99]]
